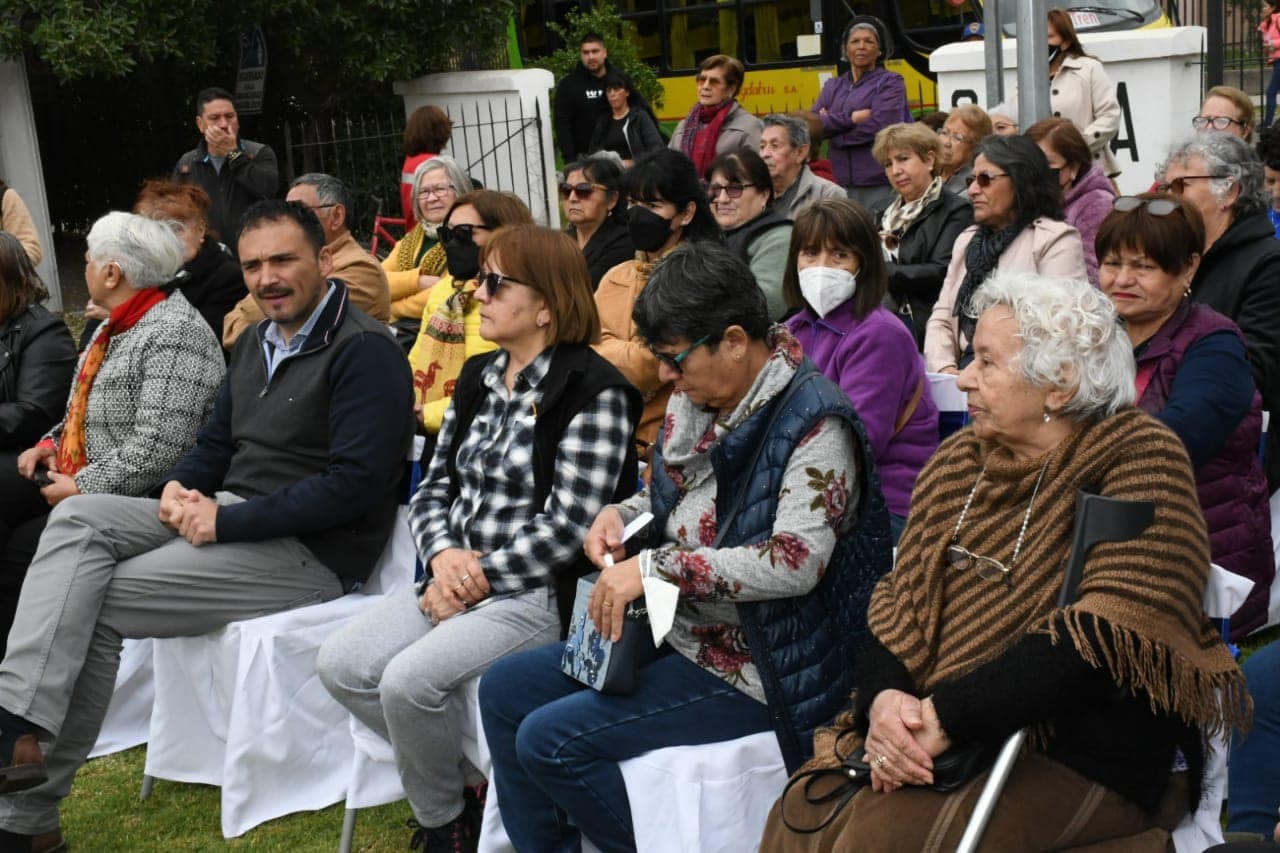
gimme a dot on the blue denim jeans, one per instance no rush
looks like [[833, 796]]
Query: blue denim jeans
[[1253, 781], [1273, 87], [556, 744]]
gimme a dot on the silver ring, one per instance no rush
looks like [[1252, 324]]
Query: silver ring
[[465, 577], [880, 762]]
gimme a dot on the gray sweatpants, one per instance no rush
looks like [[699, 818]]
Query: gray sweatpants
[[107, 569], [397, 674]]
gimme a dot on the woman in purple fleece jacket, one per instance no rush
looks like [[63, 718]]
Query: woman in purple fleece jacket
[[1087, 194], [836, 276]]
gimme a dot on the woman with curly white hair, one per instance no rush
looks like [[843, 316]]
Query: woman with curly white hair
[[968, 643]]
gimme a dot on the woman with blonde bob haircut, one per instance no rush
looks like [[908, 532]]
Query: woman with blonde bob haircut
[[919, 224], [970, 645], [538, 440], [965, 127]]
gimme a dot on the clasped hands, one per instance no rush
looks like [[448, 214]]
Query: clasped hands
[[61, 486], [192, 514], [458, 582], [903, 738]]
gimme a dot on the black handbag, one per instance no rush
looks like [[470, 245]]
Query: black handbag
[[596, 661], [952, 770]]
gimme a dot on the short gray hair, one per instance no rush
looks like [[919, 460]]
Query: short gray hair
[[147, 251], [1230, 157], [456, 175], [1071, 336], [1008, 109], [797, 129], [329, 189]]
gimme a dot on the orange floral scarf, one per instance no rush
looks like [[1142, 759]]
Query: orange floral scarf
[[72, 448]]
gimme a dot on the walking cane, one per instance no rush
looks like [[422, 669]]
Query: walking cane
[[1098, 519]]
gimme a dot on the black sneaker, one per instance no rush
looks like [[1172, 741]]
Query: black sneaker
[[456, 836]]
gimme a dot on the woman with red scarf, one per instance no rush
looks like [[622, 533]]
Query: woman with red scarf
[[717, 123], [142, 389]]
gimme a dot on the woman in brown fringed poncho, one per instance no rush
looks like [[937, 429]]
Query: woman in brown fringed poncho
[[969, 644]]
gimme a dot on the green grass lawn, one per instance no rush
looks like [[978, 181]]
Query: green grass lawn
[[104, 814]]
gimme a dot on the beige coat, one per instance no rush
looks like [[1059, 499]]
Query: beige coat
[[365, 280], [622, 346], [740, 130], [1047, 247], [1082, 92], [16, 219]]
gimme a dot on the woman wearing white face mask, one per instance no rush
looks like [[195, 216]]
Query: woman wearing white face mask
[[836, 276]]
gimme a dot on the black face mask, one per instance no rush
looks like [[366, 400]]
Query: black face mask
[[463, 259], [649, 231]]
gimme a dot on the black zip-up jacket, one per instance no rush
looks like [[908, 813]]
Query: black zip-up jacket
[[579, 102], [250, 176]]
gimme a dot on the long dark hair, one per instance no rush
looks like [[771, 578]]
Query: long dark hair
[[1071, 45], [668, 175], [1035, 191], [20, 286]]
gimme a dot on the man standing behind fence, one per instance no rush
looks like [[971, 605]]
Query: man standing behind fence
[[234, 172], [580, 98]]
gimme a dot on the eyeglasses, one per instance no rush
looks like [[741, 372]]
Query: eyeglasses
[[673, 361], [1218, 122], [954, 137], [708, 80], [984, 179], [440, 191], [583, 190], [962, 559], [462, 233], [1154, 206], [494, 282], [1178, 186], [731, 190]]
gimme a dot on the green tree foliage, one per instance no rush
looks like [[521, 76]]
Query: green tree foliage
[[619, 39], [339, 47]]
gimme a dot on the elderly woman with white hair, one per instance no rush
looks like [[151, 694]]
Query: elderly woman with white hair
[[970, 645], [142, 389], [417, 261], [1220, 175]]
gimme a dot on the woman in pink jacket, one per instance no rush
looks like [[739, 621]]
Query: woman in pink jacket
[[1017, 216], [1270, 29]]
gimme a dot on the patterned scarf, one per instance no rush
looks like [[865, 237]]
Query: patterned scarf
[[444, 345], [72, 447], [980, 261], [900, 215], [702, 131], [690, 431], [407, 250]]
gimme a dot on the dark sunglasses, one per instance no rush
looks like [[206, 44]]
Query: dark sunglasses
[[673, 361], [984, 179], [1218, 122], [583, 189], [1178, 186], [731, 190], [495, 281], [459, 233], [1154, 206]]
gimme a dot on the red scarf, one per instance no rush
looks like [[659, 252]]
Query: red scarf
[[702, 131], [72, 448]]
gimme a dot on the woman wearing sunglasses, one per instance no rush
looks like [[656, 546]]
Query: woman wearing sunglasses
[[1239, 275], [536, 443], [417, 261], [836, 280], [449, 333], [1086, 192], [1193, 375], [970, 645], [717, 122], [591, 193], [667, 207], [920, 222], [769, 522], [741, 195], [1017, 216]]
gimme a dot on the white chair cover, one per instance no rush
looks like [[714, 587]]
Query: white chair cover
[[128, 717], [243, 707]]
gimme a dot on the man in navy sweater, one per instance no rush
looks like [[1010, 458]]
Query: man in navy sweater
[[287, 499]]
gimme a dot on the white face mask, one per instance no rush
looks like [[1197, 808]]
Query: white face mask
[[826, 289]]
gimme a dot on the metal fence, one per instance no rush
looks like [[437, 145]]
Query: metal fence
[[1244, 64]]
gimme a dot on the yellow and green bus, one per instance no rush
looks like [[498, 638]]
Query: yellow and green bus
[[791, 47]]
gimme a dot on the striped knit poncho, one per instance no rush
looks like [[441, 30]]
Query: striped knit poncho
[[942, 623]]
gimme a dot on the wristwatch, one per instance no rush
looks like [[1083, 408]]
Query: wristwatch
[[233, 155]]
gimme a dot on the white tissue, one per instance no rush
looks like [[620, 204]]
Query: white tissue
[[660, 598]]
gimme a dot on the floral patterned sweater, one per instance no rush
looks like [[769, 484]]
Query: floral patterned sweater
[[819, 483]]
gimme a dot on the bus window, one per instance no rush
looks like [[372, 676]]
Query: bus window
[[933, 23], [772, 28], [700, 32], [1097, 15]]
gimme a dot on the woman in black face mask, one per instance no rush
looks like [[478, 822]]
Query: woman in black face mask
[[667, 206], [450, 331]]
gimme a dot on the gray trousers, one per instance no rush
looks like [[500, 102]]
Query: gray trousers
[[397, 674], [107, 569]]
